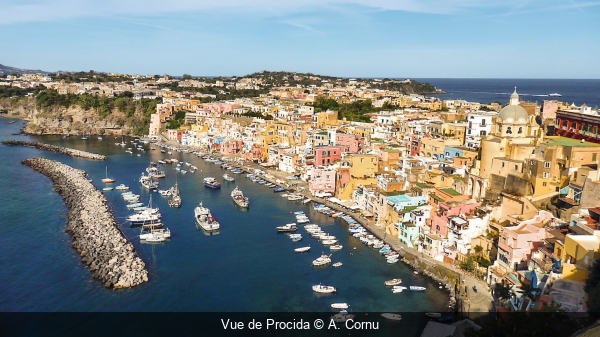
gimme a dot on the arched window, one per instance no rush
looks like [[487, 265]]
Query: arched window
[[509, 130], [520, 130]]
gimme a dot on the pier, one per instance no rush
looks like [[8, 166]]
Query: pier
[[57, 149], [94, 231]]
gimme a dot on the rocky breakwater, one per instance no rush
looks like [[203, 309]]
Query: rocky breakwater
[[58, 149], [95, 233]]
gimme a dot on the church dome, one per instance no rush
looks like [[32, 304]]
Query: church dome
[[513, 112]]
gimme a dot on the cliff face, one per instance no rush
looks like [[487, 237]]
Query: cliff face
[[72, 120]]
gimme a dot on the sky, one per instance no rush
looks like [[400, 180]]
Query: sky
[[347, 38]]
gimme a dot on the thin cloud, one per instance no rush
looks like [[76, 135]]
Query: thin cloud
[[16, 11]]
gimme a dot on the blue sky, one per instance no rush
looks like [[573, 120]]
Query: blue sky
[[350, 38]]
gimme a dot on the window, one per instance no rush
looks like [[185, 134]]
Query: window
[[520, 129], [508, 130], [594, 155], [558, 121], [582, 129], [516, 167], [565, 124], [482, 122], [546, 175], [547, 164], [502, 164], [574, 125], [544, 184]]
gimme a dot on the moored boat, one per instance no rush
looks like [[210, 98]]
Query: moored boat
[[337, 264], [340, 305], [302, 249], [211, 182], [175, 200], [108, 180], [205, 219], [393, 282], [287, 227], [323, 289], [322, 260], [417, 288], [239, 199], [398, 289], [394, 317], [228, 177]]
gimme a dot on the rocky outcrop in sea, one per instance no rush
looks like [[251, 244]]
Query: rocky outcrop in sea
[[57, 149], [95, 233]]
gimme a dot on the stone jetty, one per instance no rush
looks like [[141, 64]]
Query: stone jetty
[[92, 226], [57, 149]]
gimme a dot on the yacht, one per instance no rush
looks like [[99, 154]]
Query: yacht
[[302, 249], [322, 260], [323, 289], [204, 219], [287, 228], [555, 94]]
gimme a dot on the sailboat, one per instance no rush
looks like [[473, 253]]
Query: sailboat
[[108, 180], [175, 200]]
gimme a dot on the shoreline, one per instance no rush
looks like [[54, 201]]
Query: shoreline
[[94, 232]]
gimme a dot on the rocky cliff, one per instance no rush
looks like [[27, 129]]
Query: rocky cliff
[[68, 121]]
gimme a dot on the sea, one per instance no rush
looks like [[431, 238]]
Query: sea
[[246, 268], [577, 91]]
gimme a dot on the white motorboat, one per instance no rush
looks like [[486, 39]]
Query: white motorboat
[[340, 305], [329, 242], [205, 219], [143, 218], [337, 264], [398, 289], [417, 288], [228, 177], [322, 260], [296, 237], [555, 94], [323, 289], [175, 200], [165, 233], [336, 247], [393, 282], [122, 187], [302, 249], [107, 189], [394, 317], [287, 227]]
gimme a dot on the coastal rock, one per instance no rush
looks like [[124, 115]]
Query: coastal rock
[[93, 228]]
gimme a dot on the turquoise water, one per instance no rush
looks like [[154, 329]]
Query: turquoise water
[[247, 267]]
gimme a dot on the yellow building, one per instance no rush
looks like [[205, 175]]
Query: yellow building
[[356, 169], [434, 147], [580, 253]]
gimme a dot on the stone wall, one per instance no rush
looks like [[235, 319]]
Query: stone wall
[[95, 233]]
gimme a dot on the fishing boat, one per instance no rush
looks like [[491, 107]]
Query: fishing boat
[[211, 182], [175, 200], [302, 249], [417, 288], [340, 305], [393, 282], [393, 317], [228, 177], [108, 180], [205, 219], [239, 199], [287, 227], [323, 289], [322, 260]]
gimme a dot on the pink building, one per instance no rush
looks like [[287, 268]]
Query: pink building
[[231, 147], [175, 134], [325, 155], [516, 244], [447, 202], [549, 110], [322, 181], [255, 153], [219, 108], [350, 143]]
